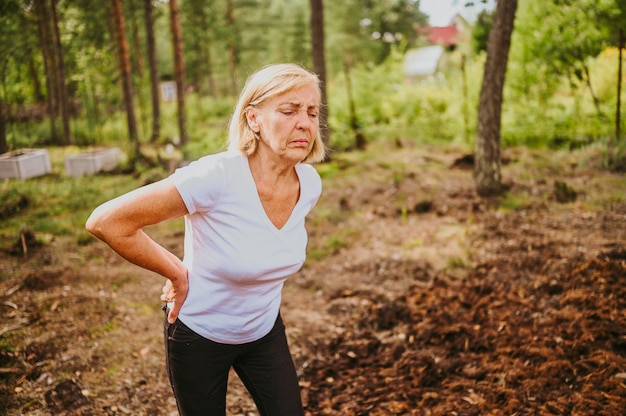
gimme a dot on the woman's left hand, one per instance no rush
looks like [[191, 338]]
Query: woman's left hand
[[175, 293]]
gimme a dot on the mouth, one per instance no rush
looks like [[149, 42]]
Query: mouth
[[301, 142]]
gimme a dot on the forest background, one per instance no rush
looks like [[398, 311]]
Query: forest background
[[61, 72], [417, 293]]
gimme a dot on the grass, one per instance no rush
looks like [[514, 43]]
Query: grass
[[513, 202], [61, 205], [332, 245]]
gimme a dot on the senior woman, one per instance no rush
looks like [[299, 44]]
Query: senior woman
[[245, 234]]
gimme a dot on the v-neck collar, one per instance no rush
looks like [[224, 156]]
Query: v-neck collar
[[259, 204]]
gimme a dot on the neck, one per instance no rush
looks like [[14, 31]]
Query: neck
[[267, 165], [269, 170]]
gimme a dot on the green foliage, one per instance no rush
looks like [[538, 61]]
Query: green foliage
[[391, 107], [366, 32], [513, 202], [21, 135], [480, 31], [557, 51], [566, 36], [13, 202]]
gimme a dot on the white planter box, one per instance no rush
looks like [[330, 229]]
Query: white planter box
[[92, 162], [25, 163]]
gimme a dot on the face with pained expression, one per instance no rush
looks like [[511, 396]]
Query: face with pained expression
[[286, 125]]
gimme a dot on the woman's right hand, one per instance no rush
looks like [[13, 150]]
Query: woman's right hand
[[175, 291]]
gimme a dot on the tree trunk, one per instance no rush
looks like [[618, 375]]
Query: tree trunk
[[4, 146], [154, 74], [37, 92], [45, 40], [206, 52], [466, 115], [232, 47], [618, 116], [127, 87], [206, 55], [136, 46], [61, 78], [319, 61], [179, 68], [596, 101], [487, 174]]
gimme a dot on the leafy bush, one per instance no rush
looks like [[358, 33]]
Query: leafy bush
[[14, 202]]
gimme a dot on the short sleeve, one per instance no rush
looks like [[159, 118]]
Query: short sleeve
[[311, 184], [200, 183]]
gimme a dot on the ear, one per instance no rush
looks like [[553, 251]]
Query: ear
[[251, 117]]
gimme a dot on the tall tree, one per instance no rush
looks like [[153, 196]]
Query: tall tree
[[199, 19], [127, 87], [4, 145], [571, 32], [207, 57], [154, 74], [487, 173], [63, 95], [612, 17], [179, 68], [618, 106], [9, 31], [233, 50], [49, 64], [319, 61]]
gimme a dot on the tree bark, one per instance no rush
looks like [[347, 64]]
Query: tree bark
[[127, 87], [61, 78], [487, 173], [154, 74], [618, 116], [136, 46], [179, 68], [45, 40], [319, 61]]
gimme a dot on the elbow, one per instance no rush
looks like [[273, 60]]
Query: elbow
[[90, 225], [94, 225]]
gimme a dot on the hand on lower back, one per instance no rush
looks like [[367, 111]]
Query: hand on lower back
[[176, 293]]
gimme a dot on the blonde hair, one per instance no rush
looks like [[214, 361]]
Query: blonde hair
[[268, 82]]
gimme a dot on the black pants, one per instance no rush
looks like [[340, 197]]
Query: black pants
[[198, 369]]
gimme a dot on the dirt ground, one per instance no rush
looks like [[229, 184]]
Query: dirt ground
[[418, 298]]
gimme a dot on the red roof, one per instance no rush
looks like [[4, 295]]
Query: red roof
[[442, 35]]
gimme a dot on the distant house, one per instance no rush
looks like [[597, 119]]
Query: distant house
[[422, 62], [426, 61], [447, 36]]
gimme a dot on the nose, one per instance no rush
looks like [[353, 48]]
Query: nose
[[304, 121]]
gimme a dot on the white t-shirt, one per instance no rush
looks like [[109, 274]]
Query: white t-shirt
[[237, 259]]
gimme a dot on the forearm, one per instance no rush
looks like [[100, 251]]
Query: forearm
[[143, 251]]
